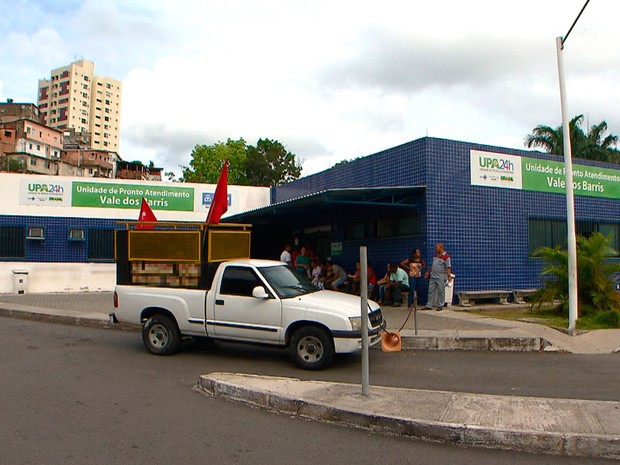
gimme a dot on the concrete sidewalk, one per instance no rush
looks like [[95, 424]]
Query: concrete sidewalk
[[529, 424], [458, 329], [450, 329]]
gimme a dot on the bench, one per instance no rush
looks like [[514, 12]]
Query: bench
[[466, 296], [520, 295]]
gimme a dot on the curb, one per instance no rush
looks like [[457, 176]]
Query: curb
[[422, 343], [547, 443], [71, 320], [480, 344]]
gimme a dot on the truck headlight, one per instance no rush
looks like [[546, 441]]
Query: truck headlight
[[356, 323]]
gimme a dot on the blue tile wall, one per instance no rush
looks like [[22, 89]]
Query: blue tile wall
[[56, 247], [485, 229], [399, 166]]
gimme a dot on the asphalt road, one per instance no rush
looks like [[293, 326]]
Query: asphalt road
[[75, 395]]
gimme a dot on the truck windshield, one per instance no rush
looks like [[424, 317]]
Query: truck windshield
[[287, 282]]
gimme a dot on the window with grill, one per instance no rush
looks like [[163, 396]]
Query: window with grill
[[551, 232], [12, 242], [355, 231], [408, 225], [100, 244]]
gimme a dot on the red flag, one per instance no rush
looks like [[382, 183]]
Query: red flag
[[146, 214], [219, 204]]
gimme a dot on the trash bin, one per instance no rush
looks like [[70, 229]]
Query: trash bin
[[20, 281], [450, 291]]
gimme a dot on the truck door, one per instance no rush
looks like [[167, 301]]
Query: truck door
[[239, 315]]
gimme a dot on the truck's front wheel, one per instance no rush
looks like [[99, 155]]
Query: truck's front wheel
[[161, 335], [311, 348]]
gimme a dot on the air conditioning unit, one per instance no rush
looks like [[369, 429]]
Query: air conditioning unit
[[35, 233], [76, 234]]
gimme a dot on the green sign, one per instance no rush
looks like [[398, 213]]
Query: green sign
[[103, 195], [549, 176], [513, 172], [336, 249]]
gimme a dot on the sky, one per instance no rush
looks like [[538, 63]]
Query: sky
[[331, 80]]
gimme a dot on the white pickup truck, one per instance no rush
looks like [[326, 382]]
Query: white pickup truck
[[256, 301]]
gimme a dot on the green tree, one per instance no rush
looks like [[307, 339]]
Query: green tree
[[270, 164], [14, 165], [596, 286], [593, 145], [207, 161]]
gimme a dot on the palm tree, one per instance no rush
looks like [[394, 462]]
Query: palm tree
[[589, 146], [601, 148], [595, 276]]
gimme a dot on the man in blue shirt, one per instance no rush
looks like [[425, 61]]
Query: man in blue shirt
[[391, 291]]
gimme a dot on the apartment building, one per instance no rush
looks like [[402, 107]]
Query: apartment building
[[75, 98], [95, 163], [29, 147]]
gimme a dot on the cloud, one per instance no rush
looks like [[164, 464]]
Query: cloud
[[330, 80], [400, 62], [34, 53]]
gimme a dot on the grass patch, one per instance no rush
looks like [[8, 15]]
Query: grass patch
[[546, 317]]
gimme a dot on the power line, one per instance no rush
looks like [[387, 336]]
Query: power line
[[574, 22]]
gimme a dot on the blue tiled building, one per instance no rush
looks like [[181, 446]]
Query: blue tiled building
[[425, 191]]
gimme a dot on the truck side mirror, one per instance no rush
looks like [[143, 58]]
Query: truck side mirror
[[260, 293]]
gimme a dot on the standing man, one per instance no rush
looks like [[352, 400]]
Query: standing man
[[302, 262], [285, 256], [440, 273]]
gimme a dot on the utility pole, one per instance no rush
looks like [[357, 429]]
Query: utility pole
[[573, 296]]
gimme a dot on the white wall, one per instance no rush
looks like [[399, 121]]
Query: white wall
[[59, 277], [18, 200]]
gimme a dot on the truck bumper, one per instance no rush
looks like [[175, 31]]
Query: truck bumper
[[344, 345]]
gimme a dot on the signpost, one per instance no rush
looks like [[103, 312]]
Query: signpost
[[364, 315]]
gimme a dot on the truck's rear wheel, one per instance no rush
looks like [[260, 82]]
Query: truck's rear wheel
[[311, 348], [161, 335]]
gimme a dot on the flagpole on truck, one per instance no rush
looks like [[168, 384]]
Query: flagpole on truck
[[219, 202]]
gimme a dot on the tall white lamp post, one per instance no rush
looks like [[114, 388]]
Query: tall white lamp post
[[570, 199]]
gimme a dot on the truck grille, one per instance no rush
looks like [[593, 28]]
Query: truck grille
[[376, 318]]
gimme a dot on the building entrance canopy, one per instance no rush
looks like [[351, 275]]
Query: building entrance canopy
[[334, 200]]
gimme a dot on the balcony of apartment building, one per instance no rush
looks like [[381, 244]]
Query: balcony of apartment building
[[155, 173], [94, 163], [64, 168], [132, 170], [73, 139]]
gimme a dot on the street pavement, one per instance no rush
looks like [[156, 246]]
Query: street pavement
[[569, 427]]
